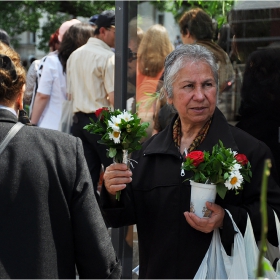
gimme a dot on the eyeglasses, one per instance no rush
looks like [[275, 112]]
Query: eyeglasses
[[131, 55], [111, 28]]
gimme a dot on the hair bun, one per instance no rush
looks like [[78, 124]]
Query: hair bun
[[7, 64]]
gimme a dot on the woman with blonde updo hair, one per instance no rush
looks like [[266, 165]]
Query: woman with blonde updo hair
[[153, 49], [46, 197]]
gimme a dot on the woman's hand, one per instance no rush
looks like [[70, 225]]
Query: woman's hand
[[116, 176], [209, 224]]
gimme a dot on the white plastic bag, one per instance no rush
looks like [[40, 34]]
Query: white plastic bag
[[218, 265], [252, 252], [66, 120]]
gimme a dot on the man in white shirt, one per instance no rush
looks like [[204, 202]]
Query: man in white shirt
[[90, 81]]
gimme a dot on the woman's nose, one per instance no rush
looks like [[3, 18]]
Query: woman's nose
[[198, 94]]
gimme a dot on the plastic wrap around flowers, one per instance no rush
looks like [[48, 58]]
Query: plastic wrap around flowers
[[223, 167], [121, 132]]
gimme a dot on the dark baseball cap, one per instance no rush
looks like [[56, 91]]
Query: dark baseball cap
[[92, 20], [106, 19]]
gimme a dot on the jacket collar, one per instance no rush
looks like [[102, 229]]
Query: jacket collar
[[162, 143], [97, 42], [7, 116]]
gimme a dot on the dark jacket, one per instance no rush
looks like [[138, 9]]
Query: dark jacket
[[157, 197], [265, 127], [49, 218]]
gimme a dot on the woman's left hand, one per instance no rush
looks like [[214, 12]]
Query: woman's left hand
[[207, 224]]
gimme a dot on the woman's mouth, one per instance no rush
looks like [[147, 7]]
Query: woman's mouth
[[198, 109]]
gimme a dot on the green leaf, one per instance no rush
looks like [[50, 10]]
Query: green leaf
[[267, 266], [221, 190], [112, 152]]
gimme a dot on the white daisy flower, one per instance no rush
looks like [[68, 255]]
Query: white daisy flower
[[235, 167], [126, 116], [115, 135], [115, 122], [234, 181]]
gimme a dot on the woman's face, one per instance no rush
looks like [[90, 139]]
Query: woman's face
[[194, 93]]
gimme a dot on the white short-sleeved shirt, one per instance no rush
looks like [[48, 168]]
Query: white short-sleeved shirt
[[53, 83], [90, 76]]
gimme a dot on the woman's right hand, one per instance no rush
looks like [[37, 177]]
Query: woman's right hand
[[116, 176]]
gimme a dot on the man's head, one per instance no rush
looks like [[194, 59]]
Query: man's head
[[194, 25], [92, 20], [105, 30], [65, 26]]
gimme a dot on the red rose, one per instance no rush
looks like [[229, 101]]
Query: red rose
[[241, 158], [100, 110], [197, 157]]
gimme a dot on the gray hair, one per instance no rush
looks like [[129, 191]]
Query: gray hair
[[176, 60]]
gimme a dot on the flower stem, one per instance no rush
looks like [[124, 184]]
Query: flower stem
[[118, 195], [263, 248], [121, 157]]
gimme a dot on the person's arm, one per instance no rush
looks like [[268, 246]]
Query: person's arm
[[44, 91], [30, 83], [94, 254], [117, 177], [41, 100], [108, 77], [111, 98]]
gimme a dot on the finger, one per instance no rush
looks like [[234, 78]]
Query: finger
[[116, 184], [121, 166], [194, 220], [117, 166], [117, 173], [215, 208], [116, 180], [201, 224], [217, 215]]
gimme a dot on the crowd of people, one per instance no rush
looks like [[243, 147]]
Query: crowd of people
[[58, 206]]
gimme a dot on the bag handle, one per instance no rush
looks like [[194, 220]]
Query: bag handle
[[11, 133]]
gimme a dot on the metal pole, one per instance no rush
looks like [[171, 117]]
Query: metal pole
[[121, 54], [124, 252]]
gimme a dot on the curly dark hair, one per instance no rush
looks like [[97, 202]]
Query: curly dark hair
[[76, 36], [198, 23]]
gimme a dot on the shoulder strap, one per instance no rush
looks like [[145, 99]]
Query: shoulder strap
[[12, 132]]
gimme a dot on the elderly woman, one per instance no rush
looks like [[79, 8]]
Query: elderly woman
[[50, 221], [173, 241]]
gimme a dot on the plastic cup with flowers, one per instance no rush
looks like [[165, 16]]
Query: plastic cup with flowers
[[121, 132], [215, 172]]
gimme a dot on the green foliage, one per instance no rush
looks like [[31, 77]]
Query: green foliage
[[119, 130], [17, 17], [223, 167], [216, 9]]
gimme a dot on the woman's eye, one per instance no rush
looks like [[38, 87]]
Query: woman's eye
[[208, 84]]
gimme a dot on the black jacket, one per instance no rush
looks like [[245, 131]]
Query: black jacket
[[157, 197], [49, 218]]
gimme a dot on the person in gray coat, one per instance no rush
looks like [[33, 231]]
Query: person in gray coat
[[49, 218]]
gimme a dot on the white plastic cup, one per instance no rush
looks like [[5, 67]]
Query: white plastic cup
[[200, 193]]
